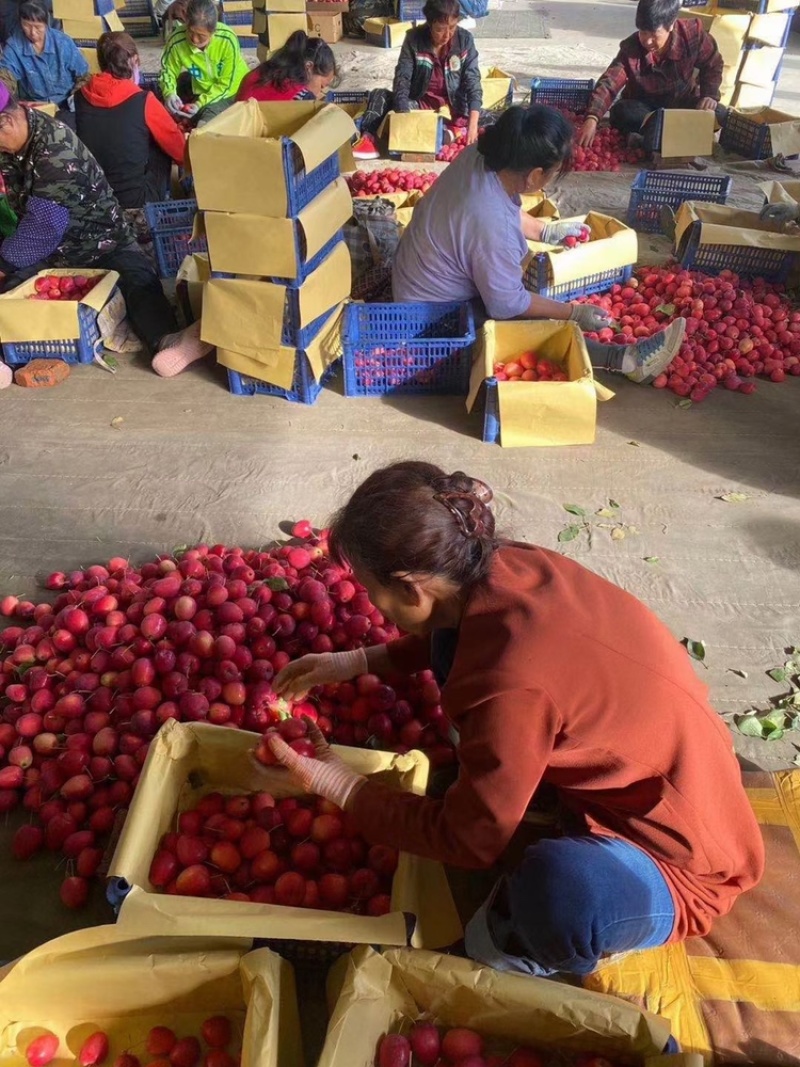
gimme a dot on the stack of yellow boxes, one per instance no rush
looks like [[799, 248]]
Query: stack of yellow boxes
[[267, 182], [84, 21], [238, 16], [274, 21]]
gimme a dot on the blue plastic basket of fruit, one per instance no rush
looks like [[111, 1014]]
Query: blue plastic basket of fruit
[[745, 136], [537, 278], [774, 264], [171, 223], [408, 349], [565, 94], [654, 189]]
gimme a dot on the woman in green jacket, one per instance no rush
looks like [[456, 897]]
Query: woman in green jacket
[[202, 65]]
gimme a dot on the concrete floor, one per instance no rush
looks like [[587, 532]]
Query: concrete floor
[[189, 462]]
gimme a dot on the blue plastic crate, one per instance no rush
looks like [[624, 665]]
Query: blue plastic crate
[[653, 189], [747, 138], [439, 142], [171, 223], [346, 96], [410, 10], [491, 413], [567, 94], [74, 350], [150, 83], [774, 264], [536, 279], [402, 349], [237, 18], [304, 389]]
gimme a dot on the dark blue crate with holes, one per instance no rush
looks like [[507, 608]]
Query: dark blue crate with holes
[[746, 137], [537, 278], [171, 223], [410, 10], [237, 18], [439, 142], [408, 349], [654, 189], [303, 186], [72, 350], [565, 94], [304, 389], [149, 82], [774, 264]]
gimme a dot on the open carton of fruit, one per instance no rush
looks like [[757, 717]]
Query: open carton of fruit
[[188, 761], [612, 245], [371, 995], [54, 316], [715, 224], [544, 412], [539, 206], [116, 984]]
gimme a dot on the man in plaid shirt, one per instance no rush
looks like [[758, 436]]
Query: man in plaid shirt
[[668, 63]]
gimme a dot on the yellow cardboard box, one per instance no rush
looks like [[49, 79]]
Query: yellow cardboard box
[[747, 97], [124, 982], [496, 85], [257, 245], [728, 28], [769, 29], [539, 413], [687, 133], [50, 320], [191, 278], [760, 65], [90, 55], [188, 760], [539, 206], [371, 994], [414, 131], [612, 245], [281, 26], [76, 10], [237, 159], [91, 28], [719, 225], [328, 27], [281, 7], [387, 32]]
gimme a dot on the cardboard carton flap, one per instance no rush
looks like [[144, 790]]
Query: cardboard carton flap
[[720, 225], [413, 131], [55, 320], [323, 135], [687, 133], [781, 192], [613, 245], [326, 214]]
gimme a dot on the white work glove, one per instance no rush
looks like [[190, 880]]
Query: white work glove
[[780, 213], [326, 776], [303, 674], [174, 104], [555, 232], [588, 317]]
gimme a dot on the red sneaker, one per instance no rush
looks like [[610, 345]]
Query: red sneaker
[[365, 148]]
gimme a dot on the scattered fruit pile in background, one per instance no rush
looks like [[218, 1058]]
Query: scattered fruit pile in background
[[86, 682], [429, 1046], [373, 183], [298, 852], [736, 329], [607, 151], [63, 287], [529, 367], [162, 1046]]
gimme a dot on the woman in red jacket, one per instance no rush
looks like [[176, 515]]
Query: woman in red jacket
[[129, 132], [549, 674], [302, 70]]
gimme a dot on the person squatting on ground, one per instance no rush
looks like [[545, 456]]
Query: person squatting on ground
[[668, 63], [304, 69], [62, 213], [467, 238], [202, 65], [437, 68], [549, 674]]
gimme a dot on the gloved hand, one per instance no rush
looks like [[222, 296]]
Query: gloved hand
[[174, 104], [303, 674], [588, 317], [780, 213], [326, 776], [553, 233]]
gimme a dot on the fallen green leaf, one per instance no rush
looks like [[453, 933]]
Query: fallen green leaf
[[778, 674], [775, 718], [574, 509], [117, 422], [666, 309], [772, 733], [569, 533], [178, 550], [606, 513], [617, 534], [735, 670], [277, 585], [613, 504], [634, 443], [733, 498], [652, 559], [696, 649], [750, 726], [685, 403]]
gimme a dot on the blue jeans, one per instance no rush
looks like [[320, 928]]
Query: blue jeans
[[572, 901]]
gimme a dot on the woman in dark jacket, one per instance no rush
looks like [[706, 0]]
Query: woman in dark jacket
[[438, 67], [129, 132]]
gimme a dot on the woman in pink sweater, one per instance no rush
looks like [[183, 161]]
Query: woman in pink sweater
[[549, 674]]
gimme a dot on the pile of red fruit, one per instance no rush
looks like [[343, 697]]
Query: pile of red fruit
[[607, 151], [735, 328], [461, 1047], [63, 286], [298, 852], [529, 368], [386, 368], [86, 682], [162, 1045], [373, 183]]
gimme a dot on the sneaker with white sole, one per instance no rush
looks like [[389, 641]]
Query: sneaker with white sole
[[365, 148], [654, 354]]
